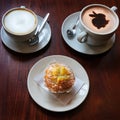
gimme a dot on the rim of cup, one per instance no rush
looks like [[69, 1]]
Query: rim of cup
[[101, 5], [19, 8]]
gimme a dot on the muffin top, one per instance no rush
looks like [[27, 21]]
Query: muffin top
[[59, 77], [58, 72]]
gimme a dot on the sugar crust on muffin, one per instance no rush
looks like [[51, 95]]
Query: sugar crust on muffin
[[59, 77]]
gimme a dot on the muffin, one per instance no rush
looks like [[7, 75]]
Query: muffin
[[59, 78]]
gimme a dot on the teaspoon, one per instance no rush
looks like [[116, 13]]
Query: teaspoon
[[72, 32], [35, 39]]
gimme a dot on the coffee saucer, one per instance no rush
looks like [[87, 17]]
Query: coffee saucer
[[24, 47], [82, 47]]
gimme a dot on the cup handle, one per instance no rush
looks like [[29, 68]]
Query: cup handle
[[82, 38], [22, 7], [114, 8]]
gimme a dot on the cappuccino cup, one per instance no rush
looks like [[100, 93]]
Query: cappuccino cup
[[98, 23], [20, 23]]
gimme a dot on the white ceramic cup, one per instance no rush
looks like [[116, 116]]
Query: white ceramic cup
[[20, 23], [98, 23]]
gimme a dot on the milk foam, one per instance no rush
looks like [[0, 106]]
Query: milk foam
[[20, 21], [109, 16]]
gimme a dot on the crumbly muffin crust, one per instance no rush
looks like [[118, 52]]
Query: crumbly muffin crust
[[59, 78]]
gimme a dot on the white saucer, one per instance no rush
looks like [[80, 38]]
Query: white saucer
[[24, 47], [82, 47], [42, 98]]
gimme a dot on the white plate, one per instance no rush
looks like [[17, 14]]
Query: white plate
[[46, 101], [24, 47], [82, 47]]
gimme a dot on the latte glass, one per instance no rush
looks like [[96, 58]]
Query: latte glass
[[98, 23]]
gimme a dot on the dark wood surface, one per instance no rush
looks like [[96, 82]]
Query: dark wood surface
[[103, 100]]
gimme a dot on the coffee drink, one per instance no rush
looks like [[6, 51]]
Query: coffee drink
[[20, 21], [99, 19], [97, 24]]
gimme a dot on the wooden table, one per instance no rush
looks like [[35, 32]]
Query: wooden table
[[103, 100]]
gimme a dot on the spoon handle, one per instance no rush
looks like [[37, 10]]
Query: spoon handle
[[77, 21], [42, 24]]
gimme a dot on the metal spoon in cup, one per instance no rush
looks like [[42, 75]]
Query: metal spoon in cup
[[72, 32], [35, 39]]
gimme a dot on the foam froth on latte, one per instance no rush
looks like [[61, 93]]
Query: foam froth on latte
[[99, 19], [20, 21]]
